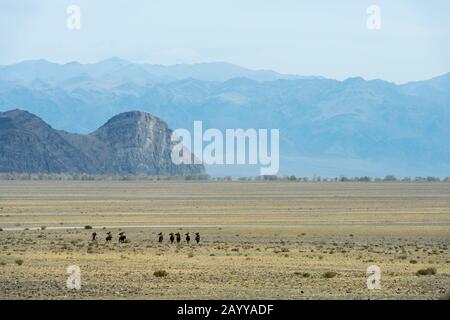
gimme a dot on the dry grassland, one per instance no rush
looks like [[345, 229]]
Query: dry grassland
[[260, 240]]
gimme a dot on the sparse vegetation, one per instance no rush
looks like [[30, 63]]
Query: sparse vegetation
[[19, 262], [160, 273], [303, 274], [225, 259], [390, 178], [205, 177], [427, 272], [329, 274]]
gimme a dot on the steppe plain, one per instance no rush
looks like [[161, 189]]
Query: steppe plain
[[259, 240]]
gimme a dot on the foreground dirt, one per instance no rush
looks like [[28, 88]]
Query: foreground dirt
[[259, 240]]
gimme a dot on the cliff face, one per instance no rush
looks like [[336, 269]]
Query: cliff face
[[129, 143]]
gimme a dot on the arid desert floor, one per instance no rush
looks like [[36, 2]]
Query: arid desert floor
[[259, 240]]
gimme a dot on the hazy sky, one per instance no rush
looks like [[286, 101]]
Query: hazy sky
[[328, 38]]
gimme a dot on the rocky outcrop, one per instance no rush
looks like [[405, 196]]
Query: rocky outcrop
[[130, 143]]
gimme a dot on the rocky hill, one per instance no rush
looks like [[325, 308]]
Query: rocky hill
[[130, 143]]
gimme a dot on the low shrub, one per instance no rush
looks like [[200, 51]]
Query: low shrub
[[160, 273], [329, 274], [426, 272], [19, 262], [303, 274]]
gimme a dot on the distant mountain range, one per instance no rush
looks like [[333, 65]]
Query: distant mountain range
[[116, 71], [327, 127], [129, 143]]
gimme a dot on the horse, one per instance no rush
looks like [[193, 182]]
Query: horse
[[161, 237], [122, 237], [188, 237], [197, 237], [172, 237]]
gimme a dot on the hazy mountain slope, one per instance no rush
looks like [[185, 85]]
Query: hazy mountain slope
[[115, 71], [129, 143], [216, 71], [375, 126], [28, 144]]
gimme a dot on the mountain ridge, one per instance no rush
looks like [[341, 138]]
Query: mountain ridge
[[129, 143], [29, 70], [351, 127]]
